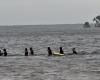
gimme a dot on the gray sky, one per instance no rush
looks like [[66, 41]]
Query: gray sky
[[18, 12]]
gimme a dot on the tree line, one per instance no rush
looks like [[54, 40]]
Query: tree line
[[96, 21]]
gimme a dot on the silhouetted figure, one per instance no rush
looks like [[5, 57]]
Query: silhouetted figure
[[5, 52], [49, 51], [26, 52], [61, 50], [31, 51], [74, 51], [1, 53]]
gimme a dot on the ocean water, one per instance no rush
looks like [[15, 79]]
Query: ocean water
[[16, 38], [42, 67]]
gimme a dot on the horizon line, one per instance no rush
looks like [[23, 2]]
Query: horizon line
[[41, 24]]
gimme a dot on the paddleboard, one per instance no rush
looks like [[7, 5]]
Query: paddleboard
[[57, 53]]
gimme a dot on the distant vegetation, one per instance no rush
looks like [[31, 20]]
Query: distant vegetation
[[97, 21], [86, 25]]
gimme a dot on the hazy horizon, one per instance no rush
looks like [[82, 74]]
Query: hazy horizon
[[37, 12]]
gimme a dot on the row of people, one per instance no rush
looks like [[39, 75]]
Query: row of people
[[50, 53]]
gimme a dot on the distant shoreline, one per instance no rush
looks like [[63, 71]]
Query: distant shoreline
[[43, 25]]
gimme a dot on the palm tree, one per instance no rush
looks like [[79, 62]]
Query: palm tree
[[97, 21]]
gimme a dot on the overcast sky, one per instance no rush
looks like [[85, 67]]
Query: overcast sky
[[16, 12]]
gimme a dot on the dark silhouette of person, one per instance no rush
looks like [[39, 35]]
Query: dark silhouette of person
[[31, 51], [61, 50], [74, 51], [26, 52], [1, 53], [49, 51], [5, 52]]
